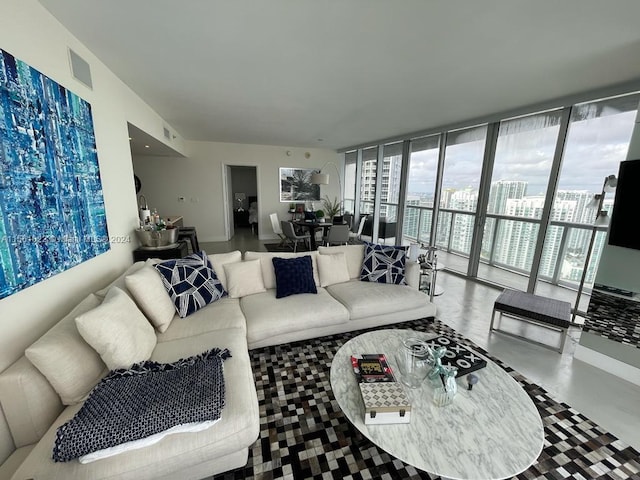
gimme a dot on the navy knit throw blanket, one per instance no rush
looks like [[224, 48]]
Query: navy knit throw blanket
[[146, 399]]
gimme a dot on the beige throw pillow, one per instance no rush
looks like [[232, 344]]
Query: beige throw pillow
[[333, 269], [149, 293], [244, 278], [218, 260], [70, 364], [354, 255], [118, 331]]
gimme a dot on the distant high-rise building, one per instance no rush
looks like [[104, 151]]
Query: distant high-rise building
[[516, 240], [504, 190], [412, 217], [462, 228]]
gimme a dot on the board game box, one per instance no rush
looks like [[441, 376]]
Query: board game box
[[465, 360]]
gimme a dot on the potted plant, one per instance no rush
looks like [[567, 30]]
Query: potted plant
[[319, 214], [331, 207]]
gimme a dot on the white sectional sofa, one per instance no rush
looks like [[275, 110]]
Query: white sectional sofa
[[34, 409]]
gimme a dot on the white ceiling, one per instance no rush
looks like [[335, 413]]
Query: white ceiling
[[336, 73]]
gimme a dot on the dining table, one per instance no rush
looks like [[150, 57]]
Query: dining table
[[312, 226]]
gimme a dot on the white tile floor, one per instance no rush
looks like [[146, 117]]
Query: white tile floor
[[611, 402], [466, 306]]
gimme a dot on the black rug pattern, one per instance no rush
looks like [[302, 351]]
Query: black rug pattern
[[304, 435]]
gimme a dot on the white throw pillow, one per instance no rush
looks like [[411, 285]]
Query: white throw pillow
[[118, 331], [218, 260], [354, 255], [244, 278], [149, 293], [333, 269], [70, 364]]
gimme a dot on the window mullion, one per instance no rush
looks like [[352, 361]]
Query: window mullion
[[548, 201]]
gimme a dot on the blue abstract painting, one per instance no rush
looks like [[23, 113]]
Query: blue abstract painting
[[52, 214]]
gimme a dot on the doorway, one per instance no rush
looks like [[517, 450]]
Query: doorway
[[242, 199]]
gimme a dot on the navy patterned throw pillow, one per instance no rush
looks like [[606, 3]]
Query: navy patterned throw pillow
[[190, 282], [293, 276], [384, 264]]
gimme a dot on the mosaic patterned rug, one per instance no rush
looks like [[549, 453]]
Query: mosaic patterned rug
[[304, 435]]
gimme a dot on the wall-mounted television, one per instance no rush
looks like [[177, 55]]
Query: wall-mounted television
[[624, 230]]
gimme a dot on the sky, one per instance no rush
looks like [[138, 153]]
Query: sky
[[593, 151]]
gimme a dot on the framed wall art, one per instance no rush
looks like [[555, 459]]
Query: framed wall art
[[52, 214], [296, 186]]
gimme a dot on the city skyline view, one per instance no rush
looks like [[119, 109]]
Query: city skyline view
[[521, 170]]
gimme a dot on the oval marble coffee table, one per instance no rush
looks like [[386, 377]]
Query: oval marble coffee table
[[491, 432]]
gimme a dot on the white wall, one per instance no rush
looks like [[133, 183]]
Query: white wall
[[30, 33], [199, 179]]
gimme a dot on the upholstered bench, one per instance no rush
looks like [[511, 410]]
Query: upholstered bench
[[543, 311]]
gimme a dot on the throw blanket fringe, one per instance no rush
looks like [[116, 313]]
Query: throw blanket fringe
[[148, 398]]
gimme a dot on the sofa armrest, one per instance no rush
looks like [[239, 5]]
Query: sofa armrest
[[412, 274]]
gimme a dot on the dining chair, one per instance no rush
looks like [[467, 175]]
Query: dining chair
[[291, 235], [348, 219], [358, 234], [277, 229], [337, 234]]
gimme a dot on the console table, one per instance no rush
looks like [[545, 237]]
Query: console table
[[177, 250]]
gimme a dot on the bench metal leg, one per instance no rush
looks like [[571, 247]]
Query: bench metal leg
[[563, 338], [493, 317]]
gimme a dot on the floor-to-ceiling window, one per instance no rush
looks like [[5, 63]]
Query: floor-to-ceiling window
[[464, 153], [390, 190], [597, 141], [521, 169], [368, 180], [421, 188], [349, 198]]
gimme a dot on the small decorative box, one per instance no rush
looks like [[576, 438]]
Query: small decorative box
[[385, 402]]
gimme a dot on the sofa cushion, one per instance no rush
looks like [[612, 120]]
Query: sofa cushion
[[270, 316], [29, 402], [225, 313], [118, 331], [219, 259], [190, 282], [244, 278], [67, 361], [383, 264], [354, 254], [368, 299], [332, 268], [150, 294], [268, 273], [293, 276]]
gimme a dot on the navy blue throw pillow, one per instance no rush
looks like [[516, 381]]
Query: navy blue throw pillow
[[293, 276], [190, 282], [384, 264]]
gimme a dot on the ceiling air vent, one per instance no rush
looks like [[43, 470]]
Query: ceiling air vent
[[80, 69], [167, 133]]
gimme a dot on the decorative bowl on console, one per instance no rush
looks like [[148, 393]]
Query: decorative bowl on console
[[157, 238]]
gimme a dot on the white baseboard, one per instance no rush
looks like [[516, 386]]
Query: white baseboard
[[608, 364]]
